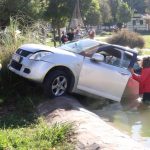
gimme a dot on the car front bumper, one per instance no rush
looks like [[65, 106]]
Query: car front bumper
[[30, 69]]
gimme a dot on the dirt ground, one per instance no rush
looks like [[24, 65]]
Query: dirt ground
[[92, 133]]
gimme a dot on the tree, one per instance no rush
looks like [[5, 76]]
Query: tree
[[114, 5], [136, 5], [57, 13], [120, 10], [124, 13], [30, 9], [105, 10], [90, 10]]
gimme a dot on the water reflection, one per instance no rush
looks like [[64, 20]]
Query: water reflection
[[129, 116]]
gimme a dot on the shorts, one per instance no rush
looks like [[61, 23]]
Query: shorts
[[146, 97]]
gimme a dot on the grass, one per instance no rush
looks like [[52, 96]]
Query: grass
[[147, 41], [20, 127], [146, 52], [37, 136], [101, 38]]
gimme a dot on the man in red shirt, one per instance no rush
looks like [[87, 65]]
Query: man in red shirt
[[143, 79]]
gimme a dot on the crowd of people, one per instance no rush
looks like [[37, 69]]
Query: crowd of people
[[76, 34]]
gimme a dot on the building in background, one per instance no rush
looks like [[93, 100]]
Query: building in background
[[139, 22]]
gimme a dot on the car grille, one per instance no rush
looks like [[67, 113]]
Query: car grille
[[23, 52], [15, 65]]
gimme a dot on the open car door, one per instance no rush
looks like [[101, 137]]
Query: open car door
[[106, 79]]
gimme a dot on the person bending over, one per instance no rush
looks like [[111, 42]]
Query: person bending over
[[143, 79]]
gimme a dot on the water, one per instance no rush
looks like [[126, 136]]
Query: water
[[130, 117]]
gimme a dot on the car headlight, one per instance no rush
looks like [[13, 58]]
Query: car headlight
[[39, 55]]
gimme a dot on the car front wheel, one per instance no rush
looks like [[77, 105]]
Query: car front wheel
[[56, 84]]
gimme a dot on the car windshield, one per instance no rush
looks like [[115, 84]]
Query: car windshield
[[79, 46]]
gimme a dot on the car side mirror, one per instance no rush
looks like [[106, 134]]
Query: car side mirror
[[97, 57]]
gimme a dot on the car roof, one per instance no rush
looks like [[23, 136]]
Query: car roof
[[126, 49], [112, 46]]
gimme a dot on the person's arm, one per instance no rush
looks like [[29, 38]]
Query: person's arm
[[131, 70], [135, 76]]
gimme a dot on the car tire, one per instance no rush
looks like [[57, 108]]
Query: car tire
[[56, 84]]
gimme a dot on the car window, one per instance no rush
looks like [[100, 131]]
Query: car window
[[111, 56], [72, 47], [126, 59], [90, 51], [87, 44], [80, 46]]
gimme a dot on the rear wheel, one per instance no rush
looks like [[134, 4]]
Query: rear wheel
[[56, 84]]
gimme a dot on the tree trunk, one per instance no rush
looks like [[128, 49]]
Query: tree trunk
[[59, 34], [54, 37]]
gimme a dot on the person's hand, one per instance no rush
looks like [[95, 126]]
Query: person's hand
[[131, 70]]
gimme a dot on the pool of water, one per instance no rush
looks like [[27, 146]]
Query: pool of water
[[130, 117]]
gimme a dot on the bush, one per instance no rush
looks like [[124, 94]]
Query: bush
[[126, 38], [10, 40]]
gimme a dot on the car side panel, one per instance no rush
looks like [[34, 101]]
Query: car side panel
[[39, 69], [131, 91], [103, 79], [73, 62]]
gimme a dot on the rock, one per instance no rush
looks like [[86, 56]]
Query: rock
[[92, 132]]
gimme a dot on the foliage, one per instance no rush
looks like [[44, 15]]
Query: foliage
[[120, 11], [91, 11], [126, 38], [106, 15], [124, 13], [28, 8], [60, 12], [57, 12], [10, 41], [114, 5], [137, 5], [37, 136]]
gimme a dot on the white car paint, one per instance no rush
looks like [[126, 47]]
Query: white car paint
[[97, 78], [91, 77]]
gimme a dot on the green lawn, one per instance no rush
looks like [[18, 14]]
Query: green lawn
[[145, 51], [18, 132], [101, 38], [147, 41]]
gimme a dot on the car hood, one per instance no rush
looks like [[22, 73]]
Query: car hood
[[39, 47]]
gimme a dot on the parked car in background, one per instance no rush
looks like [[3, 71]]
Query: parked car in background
[[87, 66]]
